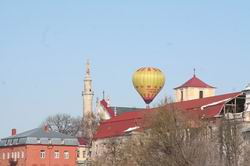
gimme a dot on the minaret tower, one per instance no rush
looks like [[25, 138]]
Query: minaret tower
[[87, 92]]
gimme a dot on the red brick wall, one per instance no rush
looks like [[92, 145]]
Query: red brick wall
[[13, 150], [32, 155]]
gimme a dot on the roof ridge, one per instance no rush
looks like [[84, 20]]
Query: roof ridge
[[236, 93]]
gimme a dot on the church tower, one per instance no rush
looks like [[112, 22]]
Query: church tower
[[87, 92], [193, 89]]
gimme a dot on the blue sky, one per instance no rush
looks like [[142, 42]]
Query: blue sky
[[44, 46]]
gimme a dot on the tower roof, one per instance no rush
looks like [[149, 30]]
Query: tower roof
[[194, 82]]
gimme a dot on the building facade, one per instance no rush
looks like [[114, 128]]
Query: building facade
[[83, 152], [38, 147]]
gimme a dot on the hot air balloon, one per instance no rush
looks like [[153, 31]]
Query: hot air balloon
[[148, 81]]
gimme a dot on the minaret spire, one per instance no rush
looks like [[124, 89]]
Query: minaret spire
[[87, 92], [194, 72], [87, 68]]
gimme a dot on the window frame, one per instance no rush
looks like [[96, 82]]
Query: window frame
[[182, 95], [201, 94], [56, 154], [42, 154], [3, 156], [22, 154], [66, 155], [18, 154]]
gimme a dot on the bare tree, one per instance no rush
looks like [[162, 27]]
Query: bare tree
[[174, 140], [89, 125], [64, 123], [170, 139], [230, 142], [111, 155]]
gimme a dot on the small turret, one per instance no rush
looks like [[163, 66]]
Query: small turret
[[193, 89]]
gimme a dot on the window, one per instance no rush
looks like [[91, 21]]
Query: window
[[78, 154], [62, 141], [182, 95], [201, 94], [50, 142], [57, 154], [8, 155], [42, 154], [66, 155], [12, 155], [3, 156], [22, 155], [83, 153], [18, 155], [15, 156]]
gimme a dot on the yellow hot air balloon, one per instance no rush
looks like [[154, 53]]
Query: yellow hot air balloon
[[148, 81]]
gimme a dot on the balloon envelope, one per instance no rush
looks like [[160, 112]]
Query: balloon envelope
[[148, 82]]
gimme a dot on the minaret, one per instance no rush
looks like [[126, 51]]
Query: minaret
[[87, 92]]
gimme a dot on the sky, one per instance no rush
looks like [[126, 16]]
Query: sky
[[44, 46]]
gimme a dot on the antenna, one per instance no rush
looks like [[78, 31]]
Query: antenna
[[194, 72], [103, 95]]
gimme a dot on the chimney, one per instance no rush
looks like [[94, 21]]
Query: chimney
[[13, 132], [108, 101], [46, 128], [115, 111]]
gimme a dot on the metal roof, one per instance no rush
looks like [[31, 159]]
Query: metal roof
[[39, 136]]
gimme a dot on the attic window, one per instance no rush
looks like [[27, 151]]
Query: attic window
[[181, 95], [201, 94], [62, 142], [50, 142]]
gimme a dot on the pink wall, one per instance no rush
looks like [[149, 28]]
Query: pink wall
[[32, 155]]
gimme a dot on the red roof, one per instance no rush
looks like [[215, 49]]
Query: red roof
[[105, 105], [206, 107], [195, 82], [117, 125], [82, 141], [198, 103]]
